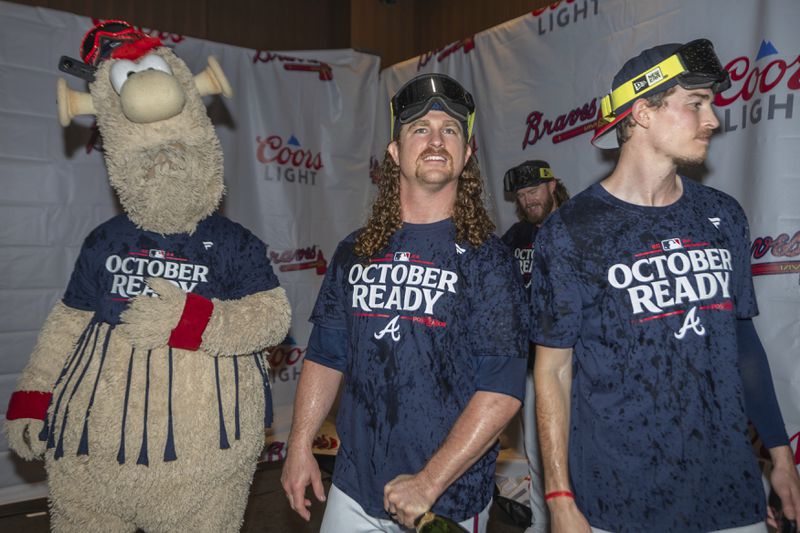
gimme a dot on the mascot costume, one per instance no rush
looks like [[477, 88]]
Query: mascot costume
[[147, 392]]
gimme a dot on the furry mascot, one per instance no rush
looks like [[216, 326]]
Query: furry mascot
[[147, 391]]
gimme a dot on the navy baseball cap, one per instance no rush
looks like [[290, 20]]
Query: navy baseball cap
[[694, 65], [528, 174]]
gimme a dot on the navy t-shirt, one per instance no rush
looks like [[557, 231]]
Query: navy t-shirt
[[221, 259], [519, 238], [416, 331], [648, 297]]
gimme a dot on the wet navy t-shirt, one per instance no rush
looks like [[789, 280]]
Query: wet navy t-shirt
[[416, 331], [519, 238], [221, 259], [648, 297]]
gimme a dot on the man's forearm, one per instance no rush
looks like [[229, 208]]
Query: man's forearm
[[475, 431], [553, 384], [316, 392]]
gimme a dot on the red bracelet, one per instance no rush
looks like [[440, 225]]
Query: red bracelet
[[557, 493]]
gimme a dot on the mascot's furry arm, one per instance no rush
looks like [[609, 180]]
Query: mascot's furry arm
[[27, 408], [218, 327]]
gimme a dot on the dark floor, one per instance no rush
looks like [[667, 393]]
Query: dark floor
[[267, 510]]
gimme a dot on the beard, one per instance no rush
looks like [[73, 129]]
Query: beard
[[170, 187], [537, 217], [694, 159]]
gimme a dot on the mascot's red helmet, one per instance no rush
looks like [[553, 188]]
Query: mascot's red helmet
[[115, 39]]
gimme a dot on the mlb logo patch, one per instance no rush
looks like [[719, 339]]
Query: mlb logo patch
[[157, 254], [402, 256], [671, 244]]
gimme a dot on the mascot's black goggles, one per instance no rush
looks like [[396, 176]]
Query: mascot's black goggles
[[529, 174], [423, 93], [694, 65]]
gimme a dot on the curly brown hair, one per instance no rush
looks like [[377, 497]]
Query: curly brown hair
[[470, 218]]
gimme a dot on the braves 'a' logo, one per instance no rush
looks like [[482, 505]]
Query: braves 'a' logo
[[690, 322], [393, 328]]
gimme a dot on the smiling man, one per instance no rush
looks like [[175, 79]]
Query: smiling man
[[422, 317], [647, 362], [537, 193]]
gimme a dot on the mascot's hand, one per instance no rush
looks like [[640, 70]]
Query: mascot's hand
[[23, 437], [149, 320]]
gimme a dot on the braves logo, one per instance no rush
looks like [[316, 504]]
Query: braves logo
[[392, 328], [690, 322]]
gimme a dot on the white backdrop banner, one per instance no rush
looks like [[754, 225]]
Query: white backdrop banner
[[296, 138], [299, 134], [538, 79]]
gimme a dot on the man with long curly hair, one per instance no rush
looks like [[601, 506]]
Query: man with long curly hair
[[537, 193], [422, 316]]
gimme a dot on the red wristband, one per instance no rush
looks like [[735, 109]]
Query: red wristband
[[28, 404], [188, 334], [557, 494]]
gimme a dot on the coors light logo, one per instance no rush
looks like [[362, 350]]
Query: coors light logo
[[756, 87], [288, 161], [563, 13]]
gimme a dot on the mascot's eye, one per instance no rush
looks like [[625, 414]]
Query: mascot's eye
[[120, 71], [154, 62], [123, 69]]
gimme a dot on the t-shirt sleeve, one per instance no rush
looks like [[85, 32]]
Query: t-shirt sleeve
[[555, 300], [329, 309], [498, 324], [82, 288], [328, 347], [253, 268], [327, 344], [742, 283], [505, 375]]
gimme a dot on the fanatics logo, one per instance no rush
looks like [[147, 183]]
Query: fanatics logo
[[671, 244], [459, 249], [715, 221], [207, 244], [402, 256]]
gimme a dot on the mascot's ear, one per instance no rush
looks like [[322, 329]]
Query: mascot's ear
[[212, 80], [72, 103]]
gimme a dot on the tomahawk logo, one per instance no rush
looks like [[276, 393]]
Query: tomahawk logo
[[393, 328], [690, 322]]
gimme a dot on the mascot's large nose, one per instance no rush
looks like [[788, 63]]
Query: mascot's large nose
[[150, 96]]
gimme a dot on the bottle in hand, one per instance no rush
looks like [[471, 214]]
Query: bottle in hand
[[431, 523]]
